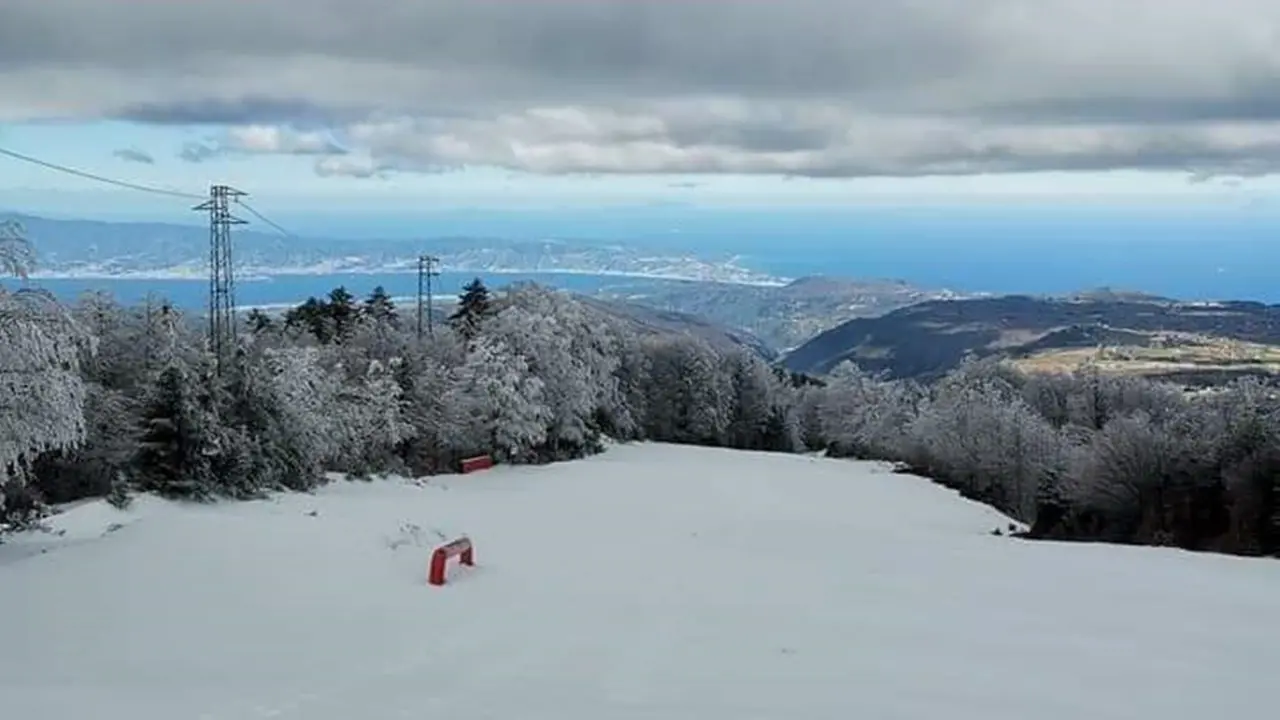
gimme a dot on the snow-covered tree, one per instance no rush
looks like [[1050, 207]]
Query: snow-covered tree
[[424, 378], [570, 350], [370, 419], [688, 395], [179, 438], [863, 417], [494, 404], [978, 432], [305, 394], [41, 390]]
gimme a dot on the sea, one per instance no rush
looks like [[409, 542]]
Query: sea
[[1194, 255]]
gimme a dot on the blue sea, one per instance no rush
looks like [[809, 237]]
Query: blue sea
[[1224, 253]]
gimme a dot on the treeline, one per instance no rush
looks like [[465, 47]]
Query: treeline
[[341, 384], [1085, 456], [100, 399]]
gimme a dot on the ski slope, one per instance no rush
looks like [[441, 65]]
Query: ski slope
[[650, 582]]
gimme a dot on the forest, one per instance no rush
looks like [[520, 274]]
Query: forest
[[103, 400]]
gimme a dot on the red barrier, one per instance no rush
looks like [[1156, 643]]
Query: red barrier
[[460, 548], [480, 462]]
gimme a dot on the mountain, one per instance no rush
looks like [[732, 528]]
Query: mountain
[[1121, 333], [651, 581], [783, 316], [88, 248], [647, 320]]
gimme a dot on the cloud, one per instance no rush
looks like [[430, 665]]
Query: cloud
[[271, 139], [223, 111], [196, 152], [134, 155], [357, 166], [262, 140], [804, 87]]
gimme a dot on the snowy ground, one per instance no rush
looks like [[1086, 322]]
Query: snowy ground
[[650, 582]]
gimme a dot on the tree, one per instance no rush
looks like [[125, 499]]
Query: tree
[[258, 321], [370, 420], [343, 312], [17, 257], [379, 308], [177, 439], [42, 392], [313, 317], [424, 379], [495, 404], [688, 393], [474, 306]]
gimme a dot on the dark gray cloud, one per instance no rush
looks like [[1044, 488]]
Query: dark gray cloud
[[135, 155], [229, 111], [802, 87]]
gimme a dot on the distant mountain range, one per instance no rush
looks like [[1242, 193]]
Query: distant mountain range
[[1131, 333], [86, 248]]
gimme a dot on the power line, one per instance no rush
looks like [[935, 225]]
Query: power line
[[248, 208], [136, 186], [99, 178]]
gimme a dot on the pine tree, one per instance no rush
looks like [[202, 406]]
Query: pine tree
[[474, 305], [343, 311], [173, 453], [312, 316], [379, 308], [258, 321]]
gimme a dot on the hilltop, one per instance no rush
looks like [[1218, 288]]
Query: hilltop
[[650, 581], [1119, 332], [784, 316]]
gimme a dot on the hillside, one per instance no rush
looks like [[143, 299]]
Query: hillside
[[646, 320], [777, 586], [1194, 342], [784, 316]]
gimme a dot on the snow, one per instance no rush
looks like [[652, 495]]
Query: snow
[[649, 582]]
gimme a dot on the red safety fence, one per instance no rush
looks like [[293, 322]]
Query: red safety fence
[[480, 462], [460, 548]]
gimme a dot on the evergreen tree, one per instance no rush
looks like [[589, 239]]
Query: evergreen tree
[[313, 317], [172, 457], [258, 321], [379, 308], [474, 305], [343, 312]]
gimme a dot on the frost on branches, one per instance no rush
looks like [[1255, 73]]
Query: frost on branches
[[41, 391], [494, 402]]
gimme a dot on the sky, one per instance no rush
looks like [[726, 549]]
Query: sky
[[381, 105]]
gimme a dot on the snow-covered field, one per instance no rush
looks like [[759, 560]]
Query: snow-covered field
[[650, 582]]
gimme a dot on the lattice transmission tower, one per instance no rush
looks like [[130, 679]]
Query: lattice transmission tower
[[426, 270], [222, 283]]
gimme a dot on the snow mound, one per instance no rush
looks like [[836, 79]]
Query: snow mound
[[648, 582], [74, 524]]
